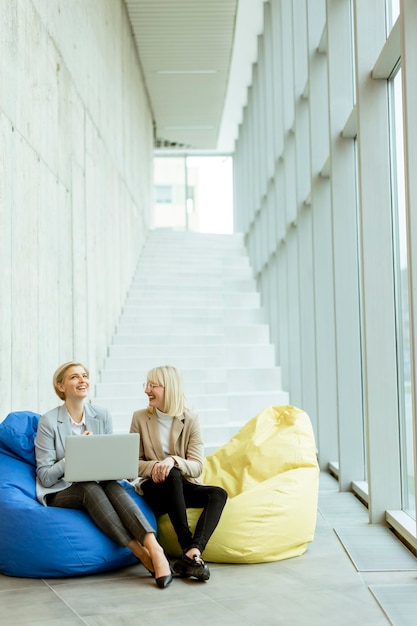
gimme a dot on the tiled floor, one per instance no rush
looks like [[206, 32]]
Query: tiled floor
[[376, 585]]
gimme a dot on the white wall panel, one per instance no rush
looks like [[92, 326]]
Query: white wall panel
[[346, 262], [308, 348], [409, 68], [322, 238], [76, 172], [380, 359], [293, 307], [282, 321], [7, 192]]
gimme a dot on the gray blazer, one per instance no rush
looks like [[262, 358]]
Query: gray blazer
[[53, 427]]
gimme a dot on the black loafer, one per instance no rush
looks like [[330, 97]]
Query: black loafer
[[195, 567], [179, 567]]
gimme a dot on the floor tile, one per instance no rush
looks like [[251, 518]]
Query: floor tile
[[331, 584], [35, 605], [399, 602], [342, 508], [375, 547]]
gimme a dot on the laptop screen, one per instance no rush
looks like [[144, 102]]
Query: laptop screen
[[101, 457]]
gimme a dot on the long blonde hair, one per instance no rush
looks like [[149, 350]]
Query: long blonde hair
[[59, 376], [170, 378]]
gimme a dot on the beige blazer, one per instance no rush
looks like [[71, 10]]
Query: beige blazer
[[185, 444]]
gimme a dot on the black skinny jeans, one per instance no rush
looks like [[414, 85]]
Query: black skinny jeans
[[175, 495], [110, 507]]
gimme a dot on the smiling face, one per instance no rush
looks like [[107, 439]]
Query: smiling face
[[75, 383], [156, 395]]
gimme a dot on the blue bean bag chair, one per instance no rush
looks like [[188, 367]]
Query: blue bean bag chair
[[43, 542]]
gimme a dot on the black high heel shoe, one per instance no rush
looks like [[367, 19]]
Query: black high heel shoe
[[164, 581], [153, 573]]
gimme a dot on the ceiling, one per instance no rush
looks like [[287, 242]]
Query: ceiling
[[197, 58]]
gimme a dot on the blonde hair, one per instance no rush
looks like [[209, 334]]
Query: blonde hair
[[170, 378], [59, 376]]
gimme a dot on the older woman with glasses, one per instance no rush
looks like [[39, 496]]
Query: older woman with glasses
[[170, 466]]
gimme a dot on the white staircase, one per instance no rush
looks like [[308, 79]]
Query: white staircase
[[193, 304]]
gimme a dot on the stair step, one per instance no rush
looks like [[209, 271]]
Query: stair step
[[178, 284], [204, 260], [200, 328], [239, 356], [135, 390], [186, 315], [198, 381], [226, 352], [131, 403], [196, 299], [246, 404], [209, 418], [138, 376], [253, 334], [194, 304], [233, 277]]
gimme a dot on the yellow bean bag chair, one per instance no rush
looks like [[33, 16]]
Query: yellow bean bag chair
[[270, 471]]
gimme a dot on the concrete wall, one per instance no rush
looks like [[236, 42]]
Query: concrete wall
[[75, 181]]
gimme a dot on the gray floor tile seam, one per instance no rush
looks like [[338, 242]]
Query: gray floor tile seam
[[148, 613], [137, 578], [389, 578], [114, 575], [63, 601], [200, 591], [332, 526], [396, 557], [365, 575], [14, 583], [384, 611], [172, 604]]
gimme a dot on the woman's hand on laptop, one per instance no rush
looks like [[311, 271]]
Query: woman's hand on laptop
[[87, 432]]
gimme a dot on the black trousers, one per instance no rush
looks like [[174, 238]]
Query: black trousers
[[175, 495], [110, 507]]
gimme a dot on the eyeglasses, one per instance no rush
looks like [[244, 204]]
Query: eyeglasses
[[149, 385]]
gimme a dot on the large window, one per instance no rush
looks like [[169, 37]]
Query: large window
[[402, 298], [393, 11], [163, 194], [193, 193], [348, 178]]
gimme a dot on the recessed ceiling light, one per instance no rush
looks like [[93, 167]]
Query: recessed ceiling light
[[186, 71], [188, 127]]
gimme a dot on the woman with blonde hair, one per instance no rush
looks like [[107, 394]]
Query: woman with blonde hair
[[170, 466], [107, 502]]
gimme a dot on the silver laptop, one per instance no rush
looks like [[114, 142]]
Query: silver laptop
[[101, 457]]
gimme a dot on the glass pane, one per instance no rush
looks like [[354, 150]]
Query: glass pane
[[163, 194], [352, 43], [193, 193], [213, 193], [170, 183], [360, 312], [402, 302], [393, 11]]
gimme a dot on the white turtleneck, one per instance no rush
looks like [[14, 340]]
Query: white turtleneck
[[165, 423]]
